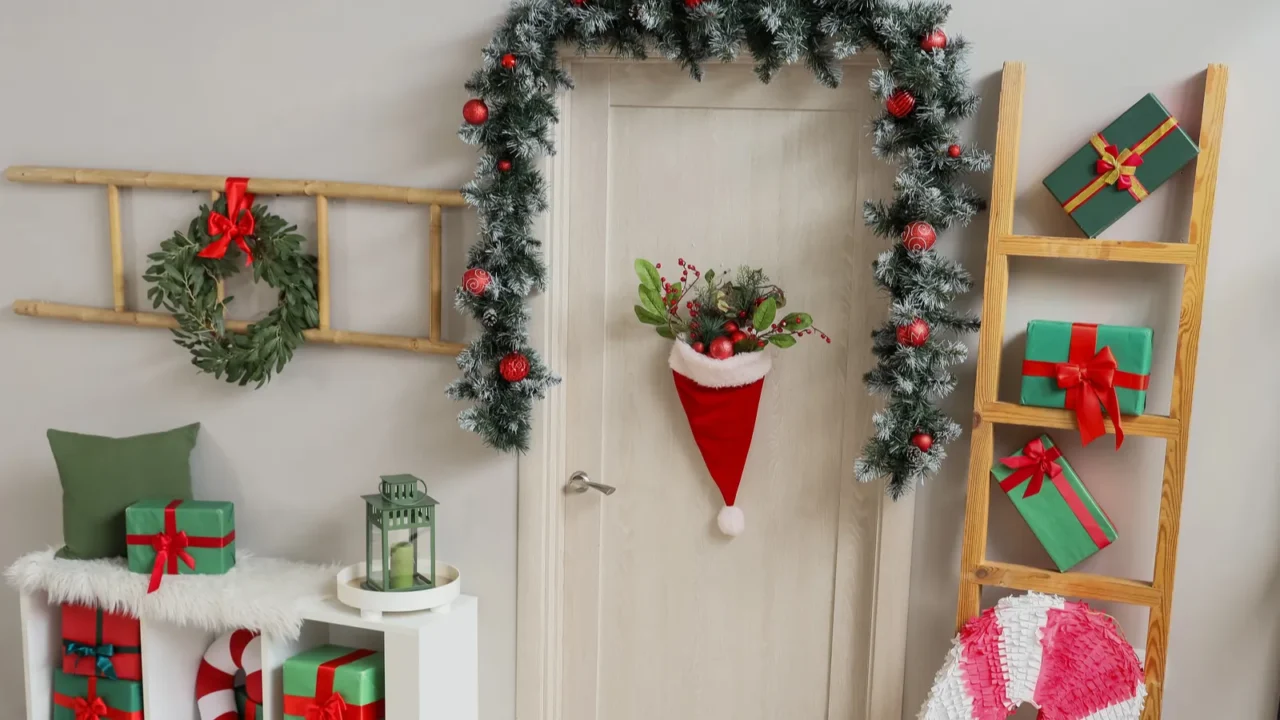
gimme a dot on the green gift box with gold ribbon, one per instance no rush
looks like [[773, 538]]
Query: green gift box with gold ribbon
[[1121, 165], [1053, 501], [188, 537]]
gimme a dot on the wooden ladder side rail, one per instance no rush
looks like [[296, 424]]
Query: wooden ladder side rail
[[976, 570], [322, 191]]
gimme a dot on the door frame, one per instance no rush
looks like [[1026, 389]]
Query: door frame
[[543, 474]]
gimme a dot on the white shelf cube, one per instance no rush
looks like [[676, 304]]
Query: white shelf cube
[[432, 660]]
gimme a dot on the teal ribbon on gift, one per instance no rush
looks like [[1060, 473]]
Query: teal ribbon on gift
[[101, 654]]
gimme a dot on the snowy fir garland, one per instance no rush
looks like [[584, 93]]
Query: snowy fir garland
[[923, 84]]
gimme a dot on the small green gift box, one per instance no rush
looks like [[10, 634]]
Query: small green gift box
[[77, 696], [1121, 165], [1054, 502], [342, 681], [1088, 368], [188, 537]]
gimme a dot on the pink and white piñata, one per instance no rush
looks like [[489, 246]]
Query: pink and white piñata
[[1071, 662]]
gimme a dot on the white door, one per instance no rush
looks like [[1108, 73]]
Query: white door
[[663, 617]]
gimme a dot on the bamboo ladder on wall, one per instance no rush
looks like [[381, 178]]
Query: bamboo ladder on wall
[[119, 314], [975, 570]]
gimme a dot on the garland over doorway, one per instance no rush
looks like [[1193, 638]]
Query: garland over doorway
[[924, 87]]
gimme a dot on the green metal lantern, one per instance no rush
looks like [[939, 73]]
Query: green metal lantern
[[397, 518]]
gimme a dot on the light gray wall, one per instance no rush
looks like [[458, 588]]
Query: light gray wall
[[371, 92], [367, 92], [1086, 62]]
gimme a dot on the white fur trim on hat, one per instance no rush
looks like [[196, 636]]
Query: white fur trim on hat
[[736, 371]]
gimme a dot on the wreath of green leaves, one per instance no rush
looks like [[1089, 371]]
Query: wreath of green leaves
[[187, 286]]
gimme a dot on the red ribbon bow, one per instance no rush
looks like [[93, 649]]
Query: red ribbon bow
[[235, 226], [1035, 462], [331, 709], [1112, 160], [1090, 387], [90, 708], [170, 547]]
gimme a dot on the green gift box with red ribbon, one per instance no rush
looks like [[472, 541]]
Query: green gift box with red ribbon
[[1088, 369], [334, 683], [186, 537], [76, 697], [1113, 172], [1053, 501]]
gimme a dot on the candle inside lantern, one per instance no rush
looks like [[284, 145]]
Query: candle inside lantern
[[402, 569]]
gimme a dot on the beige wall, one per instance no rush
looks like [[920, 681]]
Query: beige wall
[[321, 89]]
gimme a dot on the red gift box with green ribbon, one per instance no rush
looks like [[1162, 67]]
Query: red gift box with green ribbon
[[1088, 368], [76, 697], [333, 682], [101, 643], [188, 537], [1054, 502], [1121, 165]]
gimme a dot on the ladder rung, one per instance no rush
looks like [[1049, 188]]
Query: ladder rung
[[1003, 413], [1169, 253], [1081, 585]]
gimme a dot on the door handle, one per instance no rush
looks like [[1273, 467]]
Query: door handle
[[580, 483]]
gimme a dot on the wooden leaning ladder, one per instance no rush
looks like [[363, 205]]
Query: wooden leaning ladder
[[975, 570]]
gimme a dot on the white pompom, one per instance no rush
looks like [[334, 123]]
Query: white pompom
[[731, 521]]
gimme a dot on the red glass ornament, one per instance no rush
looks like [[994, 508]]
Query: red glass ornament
[[923, 441], [737, 336], [900, 103], [954, 151], [509, 61], [721, 348], [579, 3], [514, 367], [475, 112], [936, 40], [913, 334], [731, 326], [698, 347], [476, 280], [919, 236], [504, 165], [692, 3]]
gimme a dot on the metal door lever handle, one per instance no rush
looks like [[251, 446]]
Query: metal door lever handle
[[580, 483]]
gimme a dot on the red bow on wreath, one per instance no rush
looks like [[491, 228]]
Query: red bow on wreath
[[235, 226]]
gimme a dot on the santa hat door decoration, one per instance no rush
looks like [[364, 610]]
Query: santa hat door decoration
[[719, 358]]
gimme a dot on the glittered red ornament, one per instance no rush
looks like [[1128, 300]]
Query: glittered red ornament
[[698, 347], [721, 348], [475, 112], [509, 61], [476, 280], [936, 40], [900, 103], [737, 336], [913, 334], [919, 236], [923, 441], [514, 367], [504, 165], [954, 151]]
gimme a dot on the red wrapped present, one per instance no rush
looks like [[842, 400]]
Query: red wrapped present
[[99, 643]]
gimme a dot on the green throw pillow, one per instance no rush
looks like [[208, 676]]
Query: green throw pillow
[[102, 476]]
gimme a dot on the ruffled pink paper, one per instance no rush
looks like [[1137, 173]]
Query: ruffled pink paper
[[1088, 666]]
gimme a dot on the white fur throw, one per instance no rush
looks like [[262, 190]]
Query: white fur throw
[[259, 593]]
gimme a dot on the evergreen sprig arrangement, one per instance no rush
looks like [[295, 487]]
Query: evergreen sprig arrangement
[[924, 85], [187, 286]]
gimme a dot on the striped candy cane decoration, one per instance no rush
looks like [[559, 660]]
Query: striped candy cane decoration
[[216, 681], [1069, 661]]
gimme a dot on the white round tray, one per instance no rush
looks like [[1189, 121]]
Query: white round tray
[[372, 603]]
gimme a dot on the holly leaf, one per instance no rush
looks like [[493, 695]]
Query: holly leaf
[[650, 299], [666, 332], [648, 274], [797, 321], [783, 341], [649, 318], [765, 313]]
